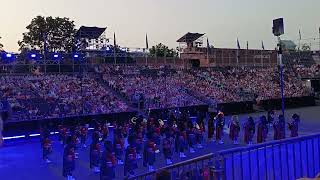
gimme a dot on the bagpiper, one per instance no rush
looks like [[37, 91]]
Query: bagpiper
[[181, 141], [95, 154], [108, 163], [191, 137], [63, 134], [47, 149], [249, 131], [119, 145], [68, 159], [168, 146], [200, 130], [211, 127], [294, 125], [149, 156], [130, 163], [220, 122], [282, 127], [270, 116], [83, 135], [262, 130], [234, 128]]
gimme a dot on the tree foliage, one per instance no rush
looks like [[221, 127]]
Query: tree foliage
[[162, 50], [59, 34]]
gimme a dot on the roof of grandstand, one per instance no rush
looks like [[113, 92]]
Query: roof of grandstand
[[90, 32], [190, 37]]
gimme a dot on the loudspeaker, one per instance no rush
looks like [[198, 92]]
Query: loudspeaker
[[278, 27]]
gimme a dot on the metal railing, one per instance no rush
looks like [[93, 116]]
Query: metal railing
[[286, 159], [191, 169]]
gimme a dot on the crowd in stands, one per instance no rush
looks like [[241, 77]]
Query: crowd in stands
[[307, 72], [53, 96], [223, 85]]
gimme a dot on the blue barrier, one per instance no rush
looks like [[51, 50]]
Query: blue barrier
[[284, 160]]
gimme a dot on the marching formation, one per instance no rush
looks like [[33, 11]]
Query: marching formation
[[125, 143]]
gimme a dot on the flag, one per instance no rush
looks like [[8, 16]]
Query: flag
[[208, 46], [247, 45], [45, 43], [114, 41], [262, 45], [238, 44], [147, 43], [299, 34]]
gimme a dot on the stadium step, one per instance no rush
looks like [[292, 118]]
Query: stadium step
[[258, 108]]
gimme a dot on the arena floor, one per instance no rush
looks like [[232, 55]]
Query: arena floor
[[21, 159]]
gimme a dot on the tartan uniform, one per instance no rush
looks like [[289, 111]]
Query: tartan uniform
[[149, 156], [293, 127], [46, 148], [234, 131], [95, 155], [107, 167], [130, 163], [249, 130], [68, 161]]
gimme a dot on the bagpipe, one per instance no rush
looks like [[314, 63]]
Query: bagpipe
[[132, 154], [161, 123], [133, 120], [111, 159]]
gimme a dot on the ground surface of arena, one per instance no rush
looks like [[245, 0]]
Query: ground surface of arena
[[21, 159]]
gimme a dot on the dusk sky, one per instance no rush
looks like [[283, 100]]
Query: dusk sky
[[165, 21]]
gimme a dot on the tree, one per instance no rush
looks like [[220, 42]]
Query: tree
[[305, 47], [162, 50], [1, 46], [59, 34]]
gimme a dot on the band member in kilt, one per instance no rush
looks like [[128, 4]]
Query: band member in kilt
[[271, 117], [46, 149], [211, 127], [119, 144], [130, 163], [220, 122], [108, 163], [282, 127], [181, 141], [191, 137], [249, 131], [46, 143], [294, 125], [95, 155], [139, 141], [234, 127], [168, 146], [83, 135], [262, 130], [200, 130], [149, 154], [68, 159]]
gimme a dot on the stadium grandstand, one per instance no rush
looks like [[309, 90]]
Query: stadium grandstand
[[149, 117]]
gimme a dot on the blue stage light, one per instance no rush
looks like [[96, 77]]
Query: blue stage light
[[8, 55], [56, 56], [76, 56], [33, 55]]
